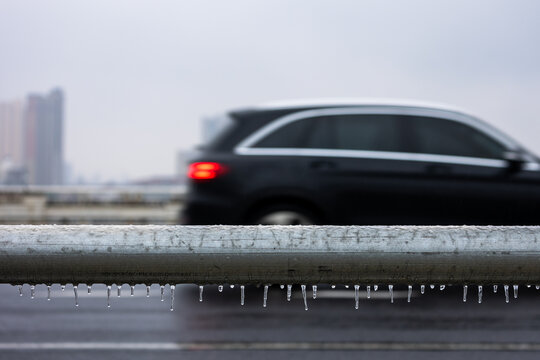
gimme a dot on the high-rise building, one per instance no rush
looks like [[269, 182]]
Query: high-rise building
[[43, 138], [11, 132]]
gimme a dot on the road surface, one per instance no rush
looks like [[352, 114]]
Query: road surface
[[437, 324]]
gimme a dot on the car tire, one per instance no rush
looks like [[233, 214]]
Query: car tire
[[283, 214]]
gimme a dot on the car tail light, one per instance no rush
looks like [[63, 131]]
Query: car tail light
[[205, 170]]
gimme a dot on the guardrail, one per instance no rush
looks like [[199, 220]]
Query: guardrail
[[270, 254]]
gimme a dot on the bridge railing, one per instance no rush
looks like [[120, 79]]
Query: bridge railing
[[269, 254]]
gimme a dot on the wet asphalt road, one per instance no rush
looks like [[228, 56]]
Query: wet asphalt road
[[434, 325]]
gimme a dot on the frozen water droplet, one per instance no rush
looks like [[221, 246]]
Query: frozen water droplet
[[32, 291], [465, 293], [442, 287], [314, 290], [495, 288], [368, 291], [76, 295], [391, 291], [409, 293], [375, 287], [48, 292], [108, 296], [89, 288], [118, 290], [356, 296], [242, 294], [479, 294], [506, 294], [516, 291], [282, 287], [537, 287], [132, 288], [528, 286], [172, 297], [422, 289], [432, 286], [304, 295], [346, 286], [147, 291], [265, 295], [201, 289], [289, 292], [63, 287], [20, 290], [232, 286], [333, 286], [220, 288]]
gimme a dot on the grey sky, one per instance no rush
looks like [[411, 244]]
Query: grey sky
[[138, 75]]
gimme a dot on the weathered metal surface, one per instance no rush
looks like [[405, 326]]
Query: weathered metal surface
[[269, 254]]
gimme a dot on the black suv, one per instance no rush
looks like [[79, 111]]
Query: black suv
[[370, 163]]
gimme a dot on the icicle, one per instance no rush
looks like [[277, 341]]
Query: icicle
[[479, 294], [289, 292], [89, 288], [201, 289], [314, 288], [391, 291], [375, 287], [304, 296], [282, 287], [76, 295], [495, 288], [162, 290], [48, 292], [172, 297], [356, 296], [537, 287], [442, 287], [464, 293], [515, 291], [220, 288], [20, 290], [63, 287], [409, 293], [108, 296], [242, 294], [32, 291], [368, 291], [132, 288], [147, 291], [265, 295], [422, 289], [506, 293], [119, 290]]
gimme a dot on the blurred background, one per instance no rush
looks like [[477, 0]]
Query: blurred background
[[117, 94]]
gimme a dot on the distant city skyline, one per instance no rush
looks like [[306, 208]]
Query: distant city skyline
[[140, 82], [31, 139]]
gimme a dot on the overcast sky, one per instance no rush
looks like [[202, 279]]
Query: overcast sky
[[139, 75]]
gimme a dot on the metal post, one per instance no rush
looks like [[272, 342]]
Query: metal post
[[270, 254]]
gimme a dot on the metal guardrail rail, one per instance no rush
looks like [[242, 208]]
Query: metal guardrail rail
[[269, 254]]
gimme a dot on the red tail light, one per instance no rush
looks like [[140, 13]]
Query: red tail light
[[205, 170]]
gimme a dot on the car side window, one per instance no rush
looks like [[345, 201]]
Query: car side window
[[369, 132], [446, 137], [310, 133]]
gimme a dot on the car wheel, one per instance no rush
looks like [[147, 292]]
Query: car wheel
[[283, 215]]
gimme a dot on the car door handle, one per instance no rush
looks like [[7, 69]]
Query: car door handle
[[322, 165]]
